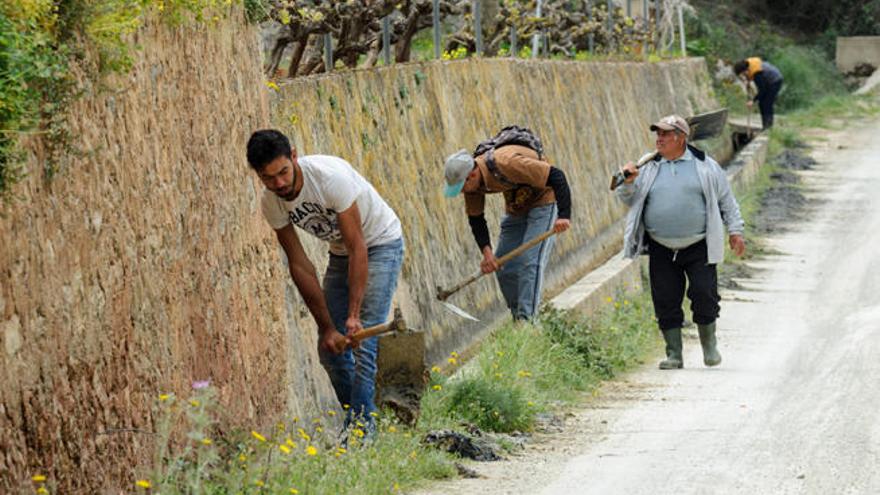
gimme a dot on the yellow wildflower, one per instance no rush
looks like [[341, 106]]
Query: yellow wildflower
[[290, 443], [499, 353], [142, 483], [319, 429], [280, 426], [626, 302], [331, 413], [341, 450], [42, 490], [206, 441], [608, 299], [435, 369], [295, 419], [499, 375], [346, 407], [451, 360], [616, 305], [530, 403], [302, 433], [413, 454], [392, 429], [164, 397], [258, 436], [195, 403], [242, 457], [259, 482], [437, 387], [396, 487], [453, 354], [294, 491], [284, 448], [311, 450], [39, 478], [524, 373], [358, 432], [272, 85], [374, 414]]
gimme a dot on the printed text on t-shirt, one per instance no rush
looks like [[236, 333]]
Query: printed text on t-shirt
[[319, 221]]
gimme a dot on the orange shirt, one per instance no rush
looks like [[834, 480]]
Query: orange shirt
[[754, 67]]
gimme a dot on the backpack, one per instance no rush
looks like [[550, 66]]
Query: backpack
[[512, 134]]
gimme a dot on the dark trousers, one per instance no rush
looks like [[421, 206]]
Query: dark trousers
[[668, 270], [766, 100]]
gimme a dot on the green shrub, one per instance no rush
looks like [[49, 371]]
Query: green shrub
[[490, 405], [41, 39], [808, 74]]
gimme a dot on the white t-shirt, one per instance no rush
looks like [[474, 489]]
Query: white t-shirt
[[331, 185]]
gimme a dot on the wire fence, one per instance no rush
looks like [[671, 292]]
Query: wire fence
[[312, 37]]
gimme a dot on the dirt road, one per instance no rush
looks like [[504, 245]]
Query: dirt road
[[794, 408]]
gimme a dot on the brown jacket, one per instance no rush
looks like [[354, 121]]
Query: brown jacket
[[520, 166]]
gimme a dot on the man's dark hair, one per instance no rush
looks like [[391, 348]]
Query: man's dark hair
[[266, 145], [740, 67]]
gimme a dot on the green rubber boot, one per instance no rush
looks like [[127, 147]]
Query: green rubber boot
[[711, 357], [673, 359]]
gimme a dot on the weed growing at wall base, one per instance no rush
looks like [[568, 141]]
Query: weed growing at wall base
[[527, 368], [297, 455]]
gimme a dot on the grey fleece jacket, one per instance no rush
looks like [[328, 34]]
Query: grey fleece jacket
[[722, 210]]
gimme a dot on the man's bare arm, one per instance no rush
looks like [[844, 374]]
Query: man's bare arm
[[356, 247], [306, 280]]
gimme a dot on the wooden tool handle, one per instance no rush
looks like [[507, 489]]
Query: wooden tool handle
[[444, 294], [524, 247], [373, 331], [618, 178]]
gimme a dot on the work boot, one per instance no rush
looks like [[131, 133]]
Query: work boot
[[673, 359], [711, 357]]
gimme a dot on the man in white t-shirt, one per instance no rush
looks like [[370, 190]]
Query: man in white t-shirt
[[324, 196]]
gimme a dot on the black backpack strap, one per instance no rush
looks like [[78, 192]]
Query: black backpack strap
[[493, 168]]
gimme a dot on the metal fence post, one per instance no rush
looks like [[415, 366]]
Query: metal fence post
[[513, 40], [591, 39], [609, 26], [437, 29], [478, 26], [328, 52], [656, 36], [535, 38], [386, 39], [645, 11], [681, 34]]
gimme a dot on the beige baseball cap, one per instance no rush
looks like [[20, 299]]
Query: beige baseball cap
[[672, 123]]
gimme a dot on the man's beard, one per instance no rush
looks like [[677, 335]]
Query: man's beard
[[288, 196]]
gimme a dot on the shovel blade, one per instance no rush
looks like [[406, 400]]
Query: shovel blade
[[460, 312]]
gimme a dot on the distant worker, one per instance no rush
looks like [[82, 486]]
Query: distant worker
[[768, 79], [324, 196], [536, 198], [679, 205]]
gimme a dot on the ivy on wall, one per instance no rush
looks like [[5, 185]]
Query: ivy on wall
[[42, 41]]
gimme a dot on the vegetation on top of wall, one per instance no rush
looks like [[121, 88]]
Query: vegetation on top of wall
[[44, 41], [727, 32]]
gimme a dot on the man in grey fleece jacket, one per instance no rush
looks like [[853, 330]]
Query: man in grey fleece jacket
[[680, 203]]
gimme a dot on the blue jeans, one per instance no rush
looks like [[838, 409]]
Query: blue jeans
[[353, 373], [522, 278]]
